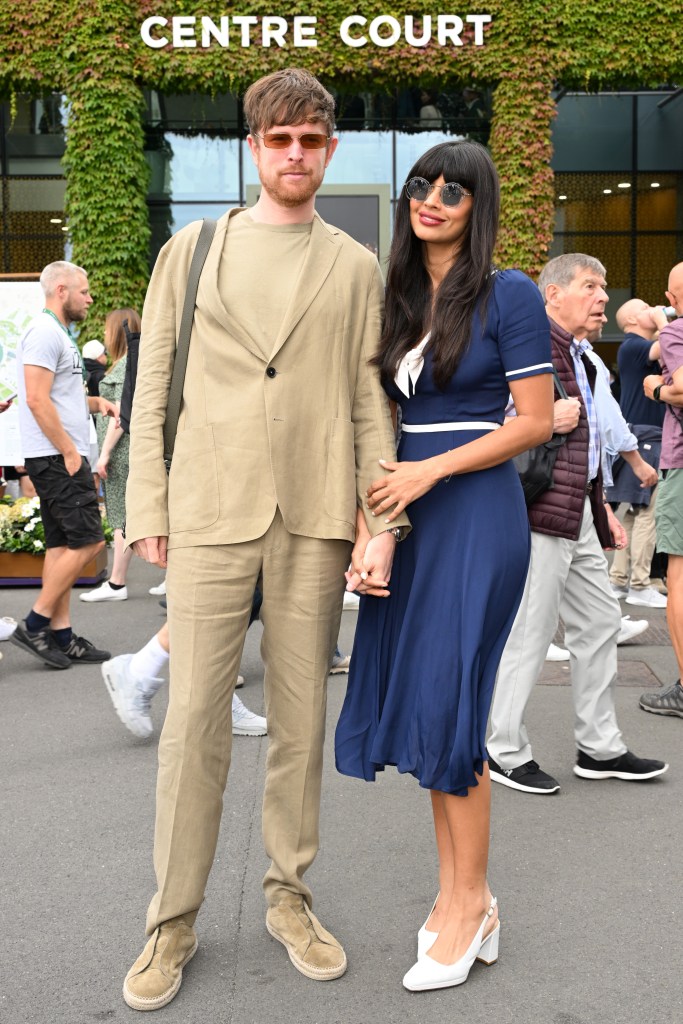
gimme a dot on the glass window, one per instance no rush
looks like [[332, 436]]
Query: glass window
[[187, 167], [34, 223], [660, 140], [593, 133], [34, 140], [360, 158]]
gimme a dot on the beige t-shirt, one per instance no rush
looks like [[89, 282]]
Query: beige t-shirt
[[258, 272]]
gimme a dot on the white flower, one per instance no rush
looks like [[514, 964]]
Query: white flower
[[34, 504], [29, 527], [38, 545]]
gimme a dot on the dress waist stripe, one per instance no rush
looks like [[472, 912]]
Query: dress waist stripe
[[428, 428]]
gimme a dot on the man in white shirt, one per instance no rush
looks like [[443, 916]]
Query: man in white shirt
[[55, 438]]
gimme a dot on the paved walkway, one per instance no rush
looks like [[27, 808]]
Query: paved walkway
[[587, 880]]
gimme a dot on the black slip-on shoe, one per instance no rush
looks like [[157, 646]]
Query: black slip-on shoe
[[527, 777]]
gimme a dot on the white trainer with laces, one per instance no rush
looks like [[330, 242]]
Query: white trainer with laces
[[131, 697], [648, 597], [7, 627], [630, 629], [556, 653], [245, 722], [105, 593]]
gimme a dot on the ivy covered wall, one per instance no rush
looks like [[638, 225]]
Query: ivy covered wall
[[92, 51]]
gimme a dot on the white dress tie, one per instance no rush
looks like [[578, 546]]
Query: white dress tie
[[410, 368]]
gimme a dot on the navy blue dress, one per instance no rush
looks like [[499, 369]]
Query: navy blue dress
[[425, 659]]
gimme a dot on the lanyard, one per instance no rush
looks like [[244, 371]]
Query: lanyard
[[71, 339]]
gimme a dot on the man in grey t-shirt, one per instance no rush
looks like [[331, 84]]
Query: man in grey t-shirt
[[54, 426]]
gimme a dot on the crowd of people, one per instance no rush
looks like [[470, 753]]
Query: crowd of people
[[292, 430]]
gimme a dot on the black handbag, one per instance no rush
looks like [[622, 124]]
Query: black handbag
[[535, 466]]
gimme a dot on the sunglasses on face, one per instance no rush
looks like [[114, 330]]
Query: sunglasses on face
[[283, 140], [452, 194]]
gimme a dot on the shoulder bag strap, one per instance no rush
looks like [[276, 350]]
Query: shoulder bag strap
[[559, 385], [175, 393]]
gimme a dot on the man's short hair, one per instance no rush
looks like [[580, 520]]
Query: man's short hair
[[562, 270], [58, 273], [625, 312], [289, 96]]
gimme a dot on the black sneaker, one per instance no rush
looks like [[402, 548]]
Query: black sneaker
[[80, 651], [666, 702], [627, 766], [528, 777], [41, 645]]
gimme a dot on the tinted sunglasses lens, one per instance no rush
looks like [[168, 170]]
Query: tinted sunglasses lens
[[418, 189], [452, 194], [280, 140], [313, 141]]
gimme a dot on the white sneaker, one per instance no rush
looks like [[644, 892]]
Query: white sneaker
[[351, 600], [646, 598], [160, 590], [619, 591], [630, 629], [7, 627], [131, 697], [105, 593], [340, 664], [556, 653], [240, 683], [245, 722]]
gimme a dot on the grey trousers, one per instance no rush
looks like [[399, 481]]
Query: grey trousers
[[568, 580]]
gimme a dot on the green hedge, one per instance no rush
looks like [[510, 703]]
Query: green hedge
[[92, 51]]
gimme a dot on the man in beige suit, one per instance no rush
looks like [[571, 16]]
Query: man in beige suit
[[282, 425]]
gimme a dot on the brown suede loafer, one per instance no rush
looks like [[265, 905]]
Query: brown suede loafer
[[156, 975], [312, 950]]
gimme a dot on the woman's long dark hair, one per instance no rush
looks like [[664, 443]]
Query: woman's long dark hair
[[409, 312]]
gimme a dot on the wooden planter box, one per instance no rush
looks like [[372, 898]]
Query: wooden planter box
[[18, 569]]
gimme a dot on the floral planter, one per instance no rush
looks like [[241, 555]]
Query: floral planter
[[19, 569]]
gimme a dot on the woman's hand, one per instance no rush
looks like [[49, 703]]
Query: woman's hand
[[101, 467], [405, 482]]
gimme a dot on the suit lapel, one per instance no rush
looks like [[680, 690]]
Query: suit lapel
[[323, 249]]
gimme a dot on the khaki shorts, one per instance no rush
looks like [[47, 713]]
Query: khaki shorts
[[669, 512]]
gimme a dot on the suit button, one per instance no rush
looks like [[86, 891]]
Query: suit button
[[271, 372]]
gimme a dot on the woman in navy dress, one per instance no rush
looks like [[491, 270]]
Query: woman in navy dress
[[458, 339]]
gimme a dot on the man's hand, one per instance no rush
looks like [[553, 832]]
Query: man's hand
[[153, 550], [373, 575], [646, 474], [566, 414], [654, 380], [619, 537], [73, 462], [103, 406]]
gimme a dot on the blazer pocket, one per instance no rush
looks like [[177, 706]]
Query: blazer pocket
[[193, 502], [340, 478]]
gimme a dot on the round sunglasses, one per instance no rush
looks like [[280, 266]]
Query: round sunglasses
[[283, 140], [452, 194]]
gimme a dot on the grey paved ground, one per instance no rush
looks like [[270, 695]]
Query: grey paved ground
[[588, 881]]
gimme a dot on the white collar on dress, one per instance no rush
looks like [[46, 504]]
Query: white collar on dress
[[410, 368]]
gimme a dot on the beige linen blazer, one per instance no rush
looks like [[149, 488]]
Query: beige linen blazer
[[300, 428]]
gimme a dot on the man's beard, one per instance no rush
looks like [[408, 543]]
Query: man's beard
[[293, 195], [73, 315]]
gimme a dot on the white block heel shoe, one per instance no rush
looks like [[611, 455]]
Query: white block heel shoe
[[427, 973]]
